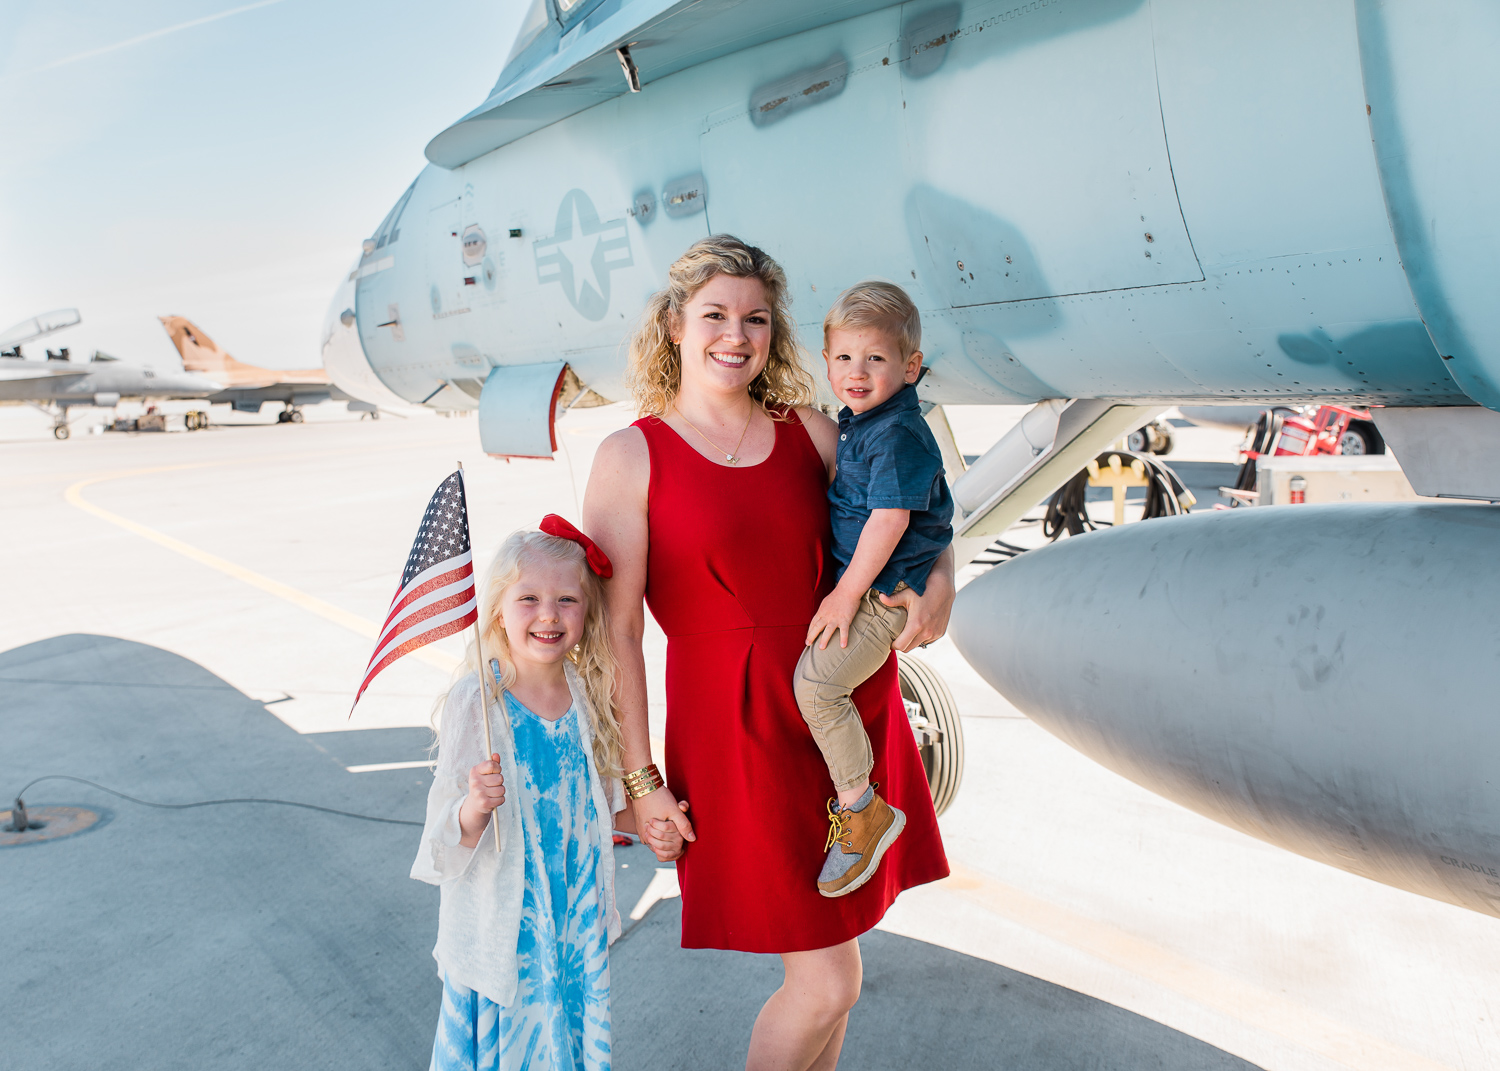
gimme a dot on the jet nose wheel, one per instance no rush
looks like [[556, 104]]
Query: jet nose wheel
[[61, 431], [934, 722]]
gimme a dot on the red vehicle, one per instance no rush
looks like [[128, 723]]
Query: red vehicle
[[1285, 432]]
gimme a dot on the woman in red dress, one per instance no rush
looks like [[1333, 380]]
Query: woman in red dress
[[713, 508]]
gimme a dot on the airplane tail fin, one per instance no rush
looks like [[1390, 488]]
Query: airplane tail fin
[[199, 352]]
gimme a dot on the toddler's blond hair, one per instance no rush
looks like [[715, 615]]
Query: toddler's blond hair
[[879, 304]]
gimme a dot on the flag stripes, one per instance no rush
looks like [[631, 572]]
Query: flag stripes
[[449, 626], [437, 597], [426, 587]]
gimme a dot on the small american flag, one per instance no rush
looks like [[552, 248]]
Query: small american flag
[[436, 597]]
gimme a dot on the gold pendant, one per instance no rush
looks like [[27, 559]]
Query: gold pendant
[[731, 459]]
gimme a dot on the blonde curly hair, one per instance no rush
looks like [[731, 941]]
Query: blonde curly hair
[[594, 657], [654, 373]]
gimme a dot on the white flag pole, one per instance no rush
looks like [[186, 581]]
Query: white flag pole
[[485, 692]]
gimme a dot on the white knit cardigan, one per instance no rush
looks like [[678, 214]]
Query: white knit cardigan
[[479, 917]]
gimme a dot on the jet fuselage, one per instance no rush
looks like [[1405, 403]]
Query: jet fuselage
[[1111, 199], [1134, 201]]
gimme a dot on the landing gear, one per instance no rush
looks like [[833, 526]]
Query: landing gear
[[290, 415], [58, 414], [194, 420], [1153, 438], [934, 722]]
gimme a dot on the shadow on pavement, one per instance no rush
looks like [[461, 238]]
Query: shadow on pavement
[[922, 1007], [272, 937], [223, 937]]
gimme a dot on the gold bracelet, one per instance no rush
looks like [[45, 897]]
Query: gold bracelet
[[647, 772], [643, 782], [638, 790]]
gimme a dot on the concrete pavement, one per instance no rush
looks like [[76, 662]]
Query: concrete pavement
[[240, 563]]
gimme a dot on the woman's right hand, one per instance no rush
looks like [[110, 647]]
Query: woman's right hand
[[662, 823]]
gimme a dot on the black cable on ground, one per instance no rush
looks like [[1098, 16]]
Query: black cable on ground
[[211, 803], [998, 551], [1067, 510]]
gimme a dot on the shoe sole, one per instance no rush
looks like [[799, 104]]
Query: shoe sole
[[880, 848]]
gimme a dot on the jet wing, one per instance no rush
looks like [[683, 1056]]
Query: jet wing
[[563, 73], [250, 399]]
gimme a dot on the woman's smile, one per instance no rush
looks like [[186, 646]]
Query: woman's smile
[[725, 332]]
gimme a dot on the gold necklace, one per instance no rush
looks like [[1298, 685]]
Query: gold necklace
[[730, 456]]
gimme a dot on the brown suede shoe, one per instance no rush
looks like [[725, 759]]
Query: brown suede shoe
[[856, 842]]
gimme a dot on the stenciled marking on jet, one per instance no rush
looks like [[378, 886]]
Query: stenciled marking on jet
[[580, 239], [1477, 868]]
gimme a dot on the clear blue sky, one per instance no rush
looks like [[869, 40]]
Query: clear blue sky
[[220, 159]]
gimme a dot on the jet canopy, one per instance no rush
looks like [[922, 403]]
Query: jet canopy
[[39, 327]]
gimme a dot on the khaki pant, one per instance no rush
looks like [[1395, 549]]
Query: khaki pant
[[825, 680]]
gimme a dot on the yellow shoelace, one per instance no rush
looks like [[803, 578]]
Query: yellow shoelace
[[838, 823]]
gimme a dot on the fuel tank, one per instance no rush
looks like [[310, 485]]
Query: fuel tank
[[1320, 677]]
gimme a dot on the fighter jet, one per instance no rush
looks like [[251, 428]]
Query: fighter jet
[[1104, 208], [248, 387], [58, 383]]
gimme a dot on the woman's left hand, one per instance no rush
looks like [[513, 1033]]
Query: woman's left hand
[[663, 835], [926, 614]]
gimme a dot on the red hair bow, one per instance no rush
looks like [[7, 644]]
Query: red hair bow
[[554, 525]]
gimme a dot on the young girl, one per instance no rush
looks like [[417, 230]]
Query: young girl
[[524, 932]]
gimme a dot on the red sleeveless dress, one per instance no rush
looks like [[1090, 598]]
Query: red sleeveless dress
[[739, 561]]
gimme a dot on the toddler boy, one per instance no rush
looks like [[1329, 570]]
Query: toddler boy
[[892, 518]]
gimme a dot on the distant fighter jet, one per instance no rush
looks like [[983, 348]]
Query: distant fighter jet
[[58, 383], [248, 387]]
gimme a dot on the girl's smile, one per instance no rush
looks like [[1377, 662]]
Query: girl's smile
[[543, 612]]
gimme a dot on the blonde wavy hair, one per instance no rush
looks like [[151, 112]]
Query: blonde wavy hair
[[594, 658], [881, 305], [654, 373]]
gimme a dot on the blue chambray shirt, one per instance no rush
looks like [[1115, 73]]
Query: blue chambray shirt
[[888, 459]]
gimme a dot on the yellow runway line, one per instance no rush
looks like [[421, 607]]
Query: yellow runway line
[[310, 603], [1272, 1013]]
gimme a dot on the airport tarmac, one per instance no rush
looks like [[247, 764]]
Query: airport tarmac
[[187, 616]]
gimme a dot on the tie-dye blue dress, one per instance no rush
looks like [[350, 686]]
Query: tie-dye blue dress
[[560, 1018]]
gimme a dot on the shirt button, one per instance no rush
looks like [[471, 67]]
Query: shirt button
[[843, 437]]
